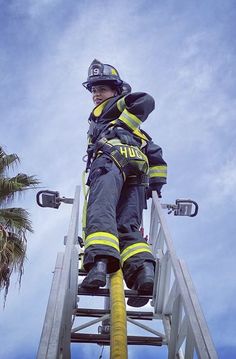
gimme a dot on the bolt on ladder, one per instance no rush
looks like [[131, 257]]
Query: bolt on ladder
[[174, 302]]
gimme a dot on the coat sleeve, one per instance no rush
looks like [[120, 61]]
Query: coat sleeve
[[157, 166], [135, 109]]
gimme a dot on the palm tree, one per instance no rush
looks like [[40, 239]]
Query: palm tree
[[14, 222]]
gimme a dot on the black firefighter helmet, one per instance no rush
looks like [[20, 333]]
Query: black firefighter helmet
[[99, 73]]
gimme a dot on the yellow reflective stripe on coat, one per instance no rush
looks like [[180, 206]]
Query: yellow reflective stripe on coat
[[121, 104], [130, 120], [134, 249], [158, 171], [103, 238], [139, 133]]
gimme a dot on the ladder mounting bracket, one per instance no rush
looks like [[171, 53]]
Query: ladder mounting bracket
[[51, 199], [182, 207]]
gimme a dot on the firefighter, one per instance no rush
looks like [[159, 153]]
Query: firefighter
[[124, 165]]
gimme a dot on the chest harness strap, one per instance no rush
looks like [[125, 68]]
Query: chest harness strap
[[131, 172]]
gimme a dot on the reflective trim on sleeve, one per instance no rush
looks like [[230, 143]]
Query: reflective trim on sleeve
[[121, 104], [102, 238], [130, 120], [134, 249], [158, 171]]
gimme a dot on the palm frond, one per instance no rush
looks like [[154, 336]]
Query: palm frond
[[8, 188], [17, 184], [7, 161], [16, 220], [25, 180], [12, 257], [3, 233]]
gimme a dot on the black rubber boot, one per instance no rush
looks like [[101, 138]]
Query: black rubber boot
[[96, 277], [143, 284]]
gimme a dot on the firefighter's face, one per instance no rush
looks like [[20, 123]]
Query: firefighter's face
[[101, 93]]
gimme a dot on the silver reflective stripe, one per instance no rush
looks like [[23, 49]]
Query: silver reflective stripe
[[130, 120]]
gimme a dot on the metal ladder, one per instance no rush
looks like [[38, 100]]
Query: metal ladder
[[174, 305]]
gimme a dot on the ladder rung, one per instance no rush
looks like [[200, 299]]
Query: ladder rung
[[82, 272], [84, 312], [104, 292], [104, 339]]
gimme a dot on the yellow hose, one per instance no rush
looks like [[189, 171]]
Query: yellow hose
[[118, 333]]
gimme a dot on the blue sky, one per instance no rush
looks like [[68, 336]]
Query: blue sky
[[182, 53]]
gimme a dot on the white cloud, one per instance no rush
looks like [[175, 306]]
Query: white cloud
[[223, 183]]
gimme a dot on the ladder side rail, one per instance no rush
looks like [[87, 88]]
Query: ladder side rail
[[183, 329], [70, 302], [204, 348], [105, 327], [64, 306], [159, 250], [170, 300], [156, 240], [167, 237], [198, 311], [59, 343], [74, 278], [175, 325], [163, 283], [50, 311], [189, 345], [163, 291], [201, 347], [153, 225], [158, 246]]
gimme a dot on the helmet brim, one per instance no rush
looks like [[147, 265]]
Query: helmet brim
[[110, 82]]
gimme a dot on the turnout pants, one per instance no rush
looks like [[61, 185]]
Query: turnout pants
[[114, 214]]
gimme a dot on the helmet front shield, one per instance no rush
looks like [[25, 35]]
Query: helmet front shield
[[99, 73]]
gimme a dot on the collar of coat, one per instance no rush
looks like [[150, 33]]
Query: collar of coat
[[97, 111]]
